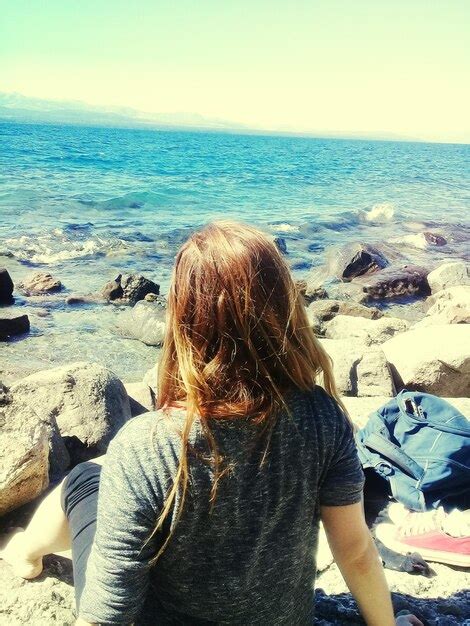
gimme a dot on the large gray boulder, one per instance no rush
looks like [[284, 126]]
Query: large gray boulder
[[449, 275], [359, 370], [433, 359], [88, 401], [145, 322], [24, 453], [39, 283], [321, 311], [6, 287], [448, 306], [367, 331]]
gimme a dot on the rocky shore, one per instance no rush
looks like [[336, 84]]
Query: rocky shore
[[56, 417]]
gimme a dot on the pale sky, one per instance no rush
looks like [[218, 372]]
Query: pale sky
[[374, 66]]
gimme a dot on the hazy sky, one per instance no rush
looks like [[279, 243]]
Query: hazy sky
[[395, 66]]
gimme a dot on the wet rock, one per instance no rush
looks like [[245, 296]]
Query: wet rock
[[434, 239], [433, 359], [6, 287], [356, 259], [39, 283], [367, 331], [75, 299], [113, 289], [449, 275], [152, 297], [12, 326], [322, 311], [448, 306], [87, 400], [309, 292], [393, 282], [145, 322], [281, 244], [129, 289], [24, 453]]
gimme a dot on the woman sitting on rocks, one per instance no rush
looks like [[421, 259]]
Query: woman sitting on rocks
[[207, 510]]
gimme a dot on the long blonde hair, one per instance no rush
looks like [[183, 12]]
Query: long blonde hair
[[237, 339]]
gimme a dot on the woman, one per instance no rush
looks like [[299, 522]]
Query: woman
[[209, 508]]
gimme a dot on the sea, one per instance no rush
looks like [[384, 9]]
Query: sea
[[89, 203]]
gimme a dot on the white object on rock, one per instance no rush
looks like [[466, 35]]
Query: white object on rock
[[449, 275], [145, 322], [448, 306], [87, 400], [434, 359], [24, 454], [365, 330]]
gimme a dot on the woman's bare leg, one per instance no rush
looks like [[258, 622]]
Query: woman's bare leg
[[47, 532]]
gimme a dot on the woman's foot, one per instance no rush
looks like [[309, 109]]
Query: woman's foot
[[12, 550]]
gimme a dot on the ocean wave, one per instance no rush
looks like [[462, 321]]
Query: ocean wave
[[379, 213], [57, 246]]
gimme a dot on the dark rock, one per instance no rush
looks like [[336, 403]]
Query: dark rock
[[113, 289], [393, 282], [39, 283], [129, 289], [310, 293], [10, 326], [135, 287], [434, 239], [91, 298], [281, 244], [6, 287], [356, 259]]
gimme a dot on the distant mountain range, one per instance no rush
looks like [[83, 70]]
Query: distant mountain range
[[18, 108], [15, 107]]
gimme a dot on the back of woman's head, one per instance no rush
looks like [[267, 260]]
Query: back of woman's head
[[237, 339], [237, 333]]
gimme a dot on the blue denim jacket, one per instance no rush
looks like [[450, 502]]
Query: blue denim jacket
[[421, 445]]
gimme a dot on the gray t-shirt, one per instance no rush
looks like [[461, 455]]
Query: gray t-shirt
[[248, 559]]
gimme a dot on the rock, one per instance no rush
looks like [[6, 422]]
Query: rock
[[87, 400], [91, 298], [449, 306], [373, 375], [151, 297], [11, 326], [150, 379], [449, 275], [359, 370], [39, 283], [393, 282], [129, 289], [309, 292], [145, 322], [140, 397], [359, 409], [356, 259], [24, 453], [434, 359], [135, 287], [113, 289], [6, 287], [321, 311], [280, 244], [434, 239], [367, 331]]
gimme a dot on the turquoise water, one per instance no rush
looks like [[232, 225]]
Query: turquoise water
[[88, 203]]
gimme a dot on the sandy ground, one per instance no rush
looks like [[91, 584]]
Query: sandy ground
[[443, 600]]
